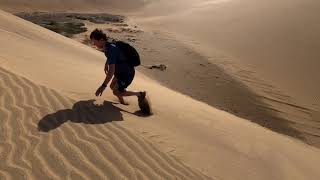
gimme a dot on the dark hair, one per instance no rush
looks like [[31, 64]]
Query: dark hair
[[98, 34]]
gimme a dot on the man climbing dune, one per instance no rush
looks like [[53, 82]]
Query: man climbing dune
[[119, 68]]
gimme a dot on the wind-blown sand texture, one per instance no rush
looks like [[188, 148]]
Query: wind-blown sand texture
[[93, 151]]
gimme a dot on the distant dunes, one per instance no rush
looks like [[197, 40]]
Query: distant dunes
[[73, 5]]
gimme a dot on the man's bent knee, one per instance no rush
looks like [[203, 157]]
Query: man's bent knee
[[116, 92], [112, 86]]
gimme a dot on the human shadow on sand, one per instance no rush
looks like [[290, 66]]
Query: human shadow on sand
[[83, 112]]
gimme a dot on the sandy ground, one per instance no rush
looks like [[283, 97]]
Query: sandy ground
[[46, 134], [192, 74], [220, 82], [52, 129], [277, 41], [269, 47]]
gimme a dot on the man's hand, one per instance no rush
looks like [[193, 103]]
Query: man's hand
[[111, 70], [100, 90]]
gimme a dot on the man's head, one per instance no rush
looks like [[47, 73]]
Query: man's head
[[98, 38]]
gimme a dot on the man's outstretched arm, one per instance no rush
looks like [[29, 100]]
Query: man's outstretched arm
[[111, 70], [109, 76]]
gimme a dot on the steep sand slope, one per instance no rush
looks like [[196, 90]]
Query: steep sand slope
[[276, 40], [270, 46], [47, 135], [217, 143], [86, 147]]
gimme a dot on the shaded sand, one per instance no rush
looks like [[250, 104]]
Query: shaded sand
[[58, 133], [276, 40], [269, 48]]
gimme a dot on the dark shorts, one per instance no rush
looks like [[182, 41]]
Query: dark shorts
[[124, 80]]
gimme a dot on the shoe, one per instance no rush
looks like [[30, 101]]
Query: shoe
[[142, 96]]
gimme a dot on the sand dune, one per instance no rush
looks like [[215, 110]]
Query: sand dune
[[76, 150], [48, 135], [271, 47], [276, 40], [51, 129]]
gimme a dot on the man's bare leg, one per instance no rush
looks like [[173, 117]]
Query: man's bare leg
[[141, 95], [130, 93], [114, 88]]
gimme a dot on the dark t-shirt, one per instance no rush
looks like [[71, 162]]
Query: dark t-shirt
[[115, 56]]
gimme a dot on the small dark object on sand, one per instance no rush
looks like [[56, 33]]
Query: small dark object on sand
[[144, 104], [161, 67]]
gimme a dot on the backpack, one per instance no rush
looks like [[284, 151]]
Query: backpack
[[130, 53]]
